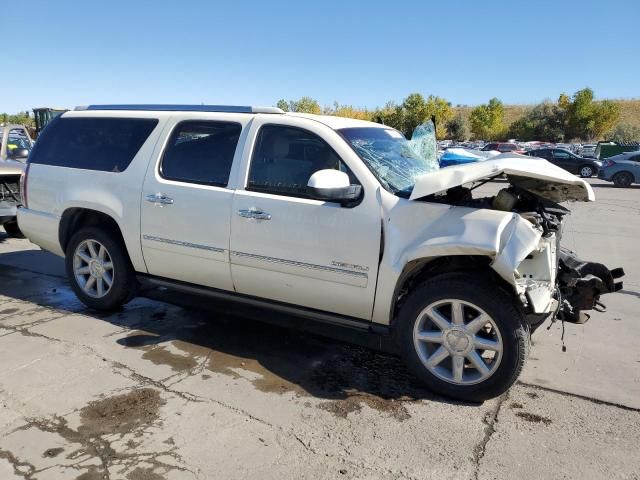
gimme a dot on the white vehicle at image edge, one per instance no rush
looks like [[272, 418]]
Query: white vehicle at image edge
[[331, 219]]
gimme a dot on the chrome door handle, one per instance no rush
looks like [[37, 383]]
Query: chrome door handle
[[159, 199], [256, 214]]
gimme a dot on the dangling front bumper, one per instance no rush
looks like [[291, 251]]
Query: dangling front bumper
[[580, 285]]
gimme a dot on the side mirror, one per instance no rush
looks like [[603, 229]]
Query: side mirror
[[333, 186], [18, 153]]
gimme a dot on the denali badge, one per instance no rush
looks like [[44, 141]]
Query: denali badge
[[349, 265]]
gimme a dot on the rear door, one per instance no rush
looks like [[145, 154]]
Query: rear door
[[288, 247], [186, 203]]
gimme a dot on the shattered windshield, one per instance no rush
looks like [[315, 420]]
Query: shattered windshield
[[394, 160]]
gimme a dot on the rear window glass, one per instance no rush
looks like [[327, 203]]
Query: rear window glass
[[201, 152], [105, 144]]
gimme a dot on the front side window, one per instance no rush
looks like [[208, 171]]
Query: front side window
[[105, 144], [284, 158], [201, 152]]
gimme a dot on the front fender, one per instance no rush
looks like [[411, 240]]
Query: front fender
[[504, 237]]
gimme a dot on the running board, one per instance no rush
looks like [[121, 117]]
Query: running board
[[378, 335]]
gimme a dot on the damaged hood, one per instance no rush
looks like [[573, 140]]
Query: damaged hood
[[533, 174]]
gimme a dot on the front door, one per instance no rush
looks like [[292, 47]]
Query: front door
[[288, 247], [186, 205], [565, 160]]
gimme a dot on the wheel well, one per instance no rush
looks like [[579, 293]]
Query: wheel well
[[73, 219], [420, 270]]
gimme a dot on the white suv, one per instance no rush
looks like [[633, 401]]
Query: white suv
[[333, 219]]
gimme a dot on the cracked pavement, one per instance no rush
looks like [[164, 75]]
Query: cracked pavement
[[184, 391]]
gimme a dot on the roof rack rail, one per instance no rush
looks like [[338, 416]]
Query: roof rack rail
[[185, 108]]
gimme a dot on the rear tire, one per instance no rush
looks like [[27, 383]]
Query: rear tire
[[13, 230], [472, 355], [99, 269], [622, 179]]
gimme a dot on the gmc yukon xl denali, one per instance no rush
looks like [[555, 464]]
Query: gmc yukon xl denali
[[332, 219]]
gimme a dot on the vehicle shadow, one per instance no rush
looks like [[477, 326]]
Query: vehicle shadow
[[223, 338]]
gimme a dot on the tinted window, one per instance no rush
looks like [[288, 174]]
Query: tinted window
[[201, 152], [635, 158], [561, 154], [106, 144], [285, 158], [507, 147]]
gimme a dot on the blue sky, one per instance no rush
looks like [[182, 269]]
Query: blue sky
[[363, 53]]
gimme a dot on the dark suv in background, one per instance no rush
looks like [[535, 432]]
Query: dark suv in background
[[585, 167]]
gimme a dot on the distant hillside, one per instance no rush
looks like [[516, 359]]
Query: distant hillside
[[630, 112]]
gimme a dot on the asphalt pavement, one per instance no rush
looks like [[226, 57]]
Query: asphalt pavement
[[161, 391]]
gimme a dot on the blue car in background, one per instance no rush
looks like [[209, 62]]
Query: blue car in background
[[460, 156], [623, 169]]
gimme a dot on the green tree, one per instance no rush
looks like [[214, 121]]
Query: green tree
[[283, 104], [457, 129], [487, 121], [587, 119], [543, 122], [414, 111], [20, 118], [391, 115], [303, 105], [441, 110], [348, 111]]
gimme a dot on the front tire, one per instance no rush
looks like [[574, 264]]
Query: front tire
[[99, 269], [463, 336]]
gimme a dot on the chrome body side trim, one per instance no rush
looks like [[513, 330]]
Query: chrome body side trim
[[183, 244], [294, 263]]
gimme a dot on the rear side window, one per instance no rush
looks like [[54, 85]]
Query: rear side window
[[201, 152], [104, 144]]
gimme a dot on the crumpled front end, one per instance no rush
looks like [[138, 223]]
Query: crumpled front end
[[552, 280]]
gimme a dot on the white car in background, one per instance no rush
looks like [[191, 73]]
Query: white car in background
[[332, 219]]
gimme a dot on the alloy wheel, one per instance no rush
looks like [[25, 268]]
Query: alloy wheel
[[458, 342], [93, 268], [586, 171]]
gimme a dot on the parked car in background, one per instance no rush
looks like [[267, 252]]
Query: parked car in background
[[623, 169], [585, 167], [15, 143], [503, 147], [587, 151], [605, 150], [10, 197]]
